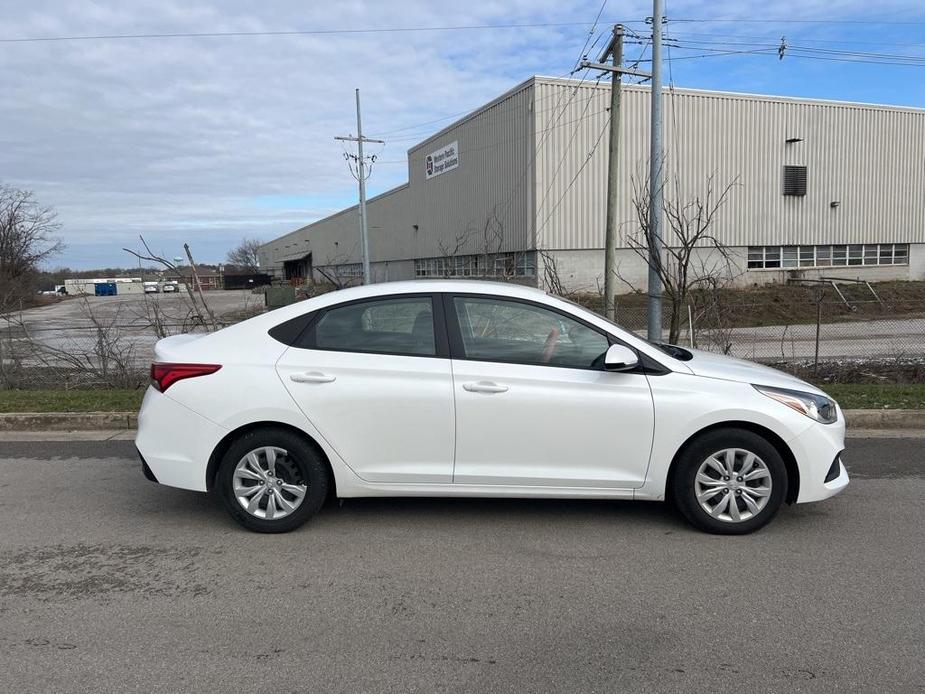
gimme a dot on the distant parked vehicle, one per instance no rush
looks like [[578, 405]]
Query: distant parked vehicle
[[458, 388], [169, 287], [151, 288]]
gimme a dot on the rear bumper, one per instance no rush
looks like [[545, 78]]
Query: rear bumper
[[174, 442], [146, 471], [818, 452]]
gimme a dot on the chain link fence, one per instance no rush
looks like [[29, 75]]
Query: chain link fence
[[867, 341], [882, 341]]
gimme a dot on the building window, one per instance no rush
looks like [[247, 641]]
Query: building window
[[774, 257], [491, 265], [345, 270], [795, 180]]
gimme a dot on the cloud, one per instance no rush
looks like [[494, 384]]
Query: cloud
[[188, 139]]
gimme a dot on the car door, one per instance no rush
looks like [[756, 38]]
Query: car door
[[533, 403], [374, 378]]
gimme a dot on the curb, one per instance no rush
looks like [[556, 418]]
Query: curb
[[885, 419], [68, 421], [110, 421]]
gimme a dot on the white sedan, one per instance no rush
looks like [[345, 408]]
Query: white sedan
[[462, 388]]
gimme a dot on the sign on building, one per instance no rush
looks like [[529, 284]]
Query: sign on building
[[443, 160]]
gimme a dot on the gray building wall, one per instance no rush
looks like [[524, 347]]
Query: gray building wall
[[533, 163], [426, 218], [582, 270], [870, 159]]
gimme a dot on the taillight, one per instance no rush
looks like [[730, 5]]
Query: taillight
[[165, 375]]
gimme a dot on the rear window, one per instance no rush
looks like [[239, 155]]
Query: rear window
[[403, 326]]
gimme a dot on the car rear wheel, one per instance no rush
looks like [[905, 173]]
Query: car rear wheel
[[272, 480], [730, 482]]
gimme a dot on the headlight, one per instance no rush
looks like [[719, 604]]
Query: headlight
[[817, 407]]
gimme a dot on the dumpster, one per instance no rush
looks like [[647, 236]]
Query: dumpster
[[105, 289], [279, 296]]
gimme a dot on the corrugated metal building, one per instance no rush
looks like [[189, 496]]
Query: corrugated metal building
[[820, 188]]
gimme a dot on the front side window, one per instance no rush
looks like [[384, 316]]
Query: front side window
[[386, 326], [512, 331]]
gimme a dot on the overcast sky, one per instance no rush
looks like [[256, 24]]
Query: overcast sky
[[207, 140]]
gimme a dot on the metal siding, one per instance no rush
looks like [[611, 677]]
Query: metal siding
[[520, 153], [869, 158], [494, 176]]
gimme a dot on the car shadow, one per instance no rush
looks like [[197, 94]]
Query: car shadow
[[207, 510]]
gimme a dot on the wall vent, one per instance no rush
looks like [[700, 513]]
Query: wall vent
[[794, 180]]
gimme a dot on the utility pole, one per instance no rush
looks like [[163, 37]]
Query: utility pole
[[615, 50], [613, 172], [655, 179], [361, 177]]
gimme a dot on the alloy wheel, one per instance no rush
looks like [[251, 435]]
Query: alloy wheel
[[733, 485], [267, 484]]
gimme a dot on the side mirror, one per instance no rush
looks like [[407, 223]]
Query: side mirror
[[620, 358]]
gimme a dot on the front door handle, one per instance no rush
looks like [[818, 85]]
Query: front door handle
[[484, 387], [312, 377]]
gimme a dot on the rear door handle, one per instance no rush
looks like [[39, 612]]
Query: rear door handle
[[484, 387], [312, 377]]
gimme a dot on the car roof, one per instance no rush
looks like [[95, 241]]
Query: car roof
[[436, 285]]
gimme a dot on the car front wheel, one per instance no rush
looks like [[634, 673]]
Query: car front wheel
[[272, 480], [730, 482]]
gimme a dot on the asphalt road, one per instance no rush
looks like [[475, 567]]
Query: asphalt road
[[111, 583], [898, 336]]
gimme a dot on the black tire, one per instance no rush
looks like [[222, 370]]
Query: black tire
[[698, 451], [302, 461]]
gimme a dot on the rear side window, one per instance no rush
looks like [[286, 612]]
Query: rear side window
[[384, 326]]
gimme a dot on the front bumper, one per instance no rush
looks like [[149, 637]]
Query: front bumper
[[818, 452]]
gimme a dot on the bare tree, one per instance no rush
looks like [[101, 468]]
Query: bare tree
[[693, 257], [551, 278], [338, 270], [245, 254], [477, 251], [149, 255], [337, 275], [27, 238]]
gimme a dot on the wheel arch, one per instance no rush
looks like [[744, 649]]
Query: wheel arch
[[222, 447], [793, 470]]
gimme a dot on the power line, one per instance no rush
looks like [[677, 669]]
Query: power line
[[811, 49], [806, 52], [575, 177], [565, 151], [853, 60], [718, 54], [289, 32], [544, 132], [421, 29], [771, 39], [584, 49], [768, 20]]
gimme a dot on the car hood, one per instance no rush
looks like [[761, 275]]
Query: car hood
[[710, 365]]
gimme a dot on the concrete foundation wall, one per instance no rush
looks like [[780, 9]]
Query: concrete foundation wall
[[583, 270]]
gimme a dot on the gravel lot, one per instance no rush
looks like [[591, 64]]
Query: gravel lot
[[67, 325], [111, 583]]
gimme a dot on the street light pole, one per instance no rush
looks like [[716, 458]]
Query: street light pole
[[655, 182]]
